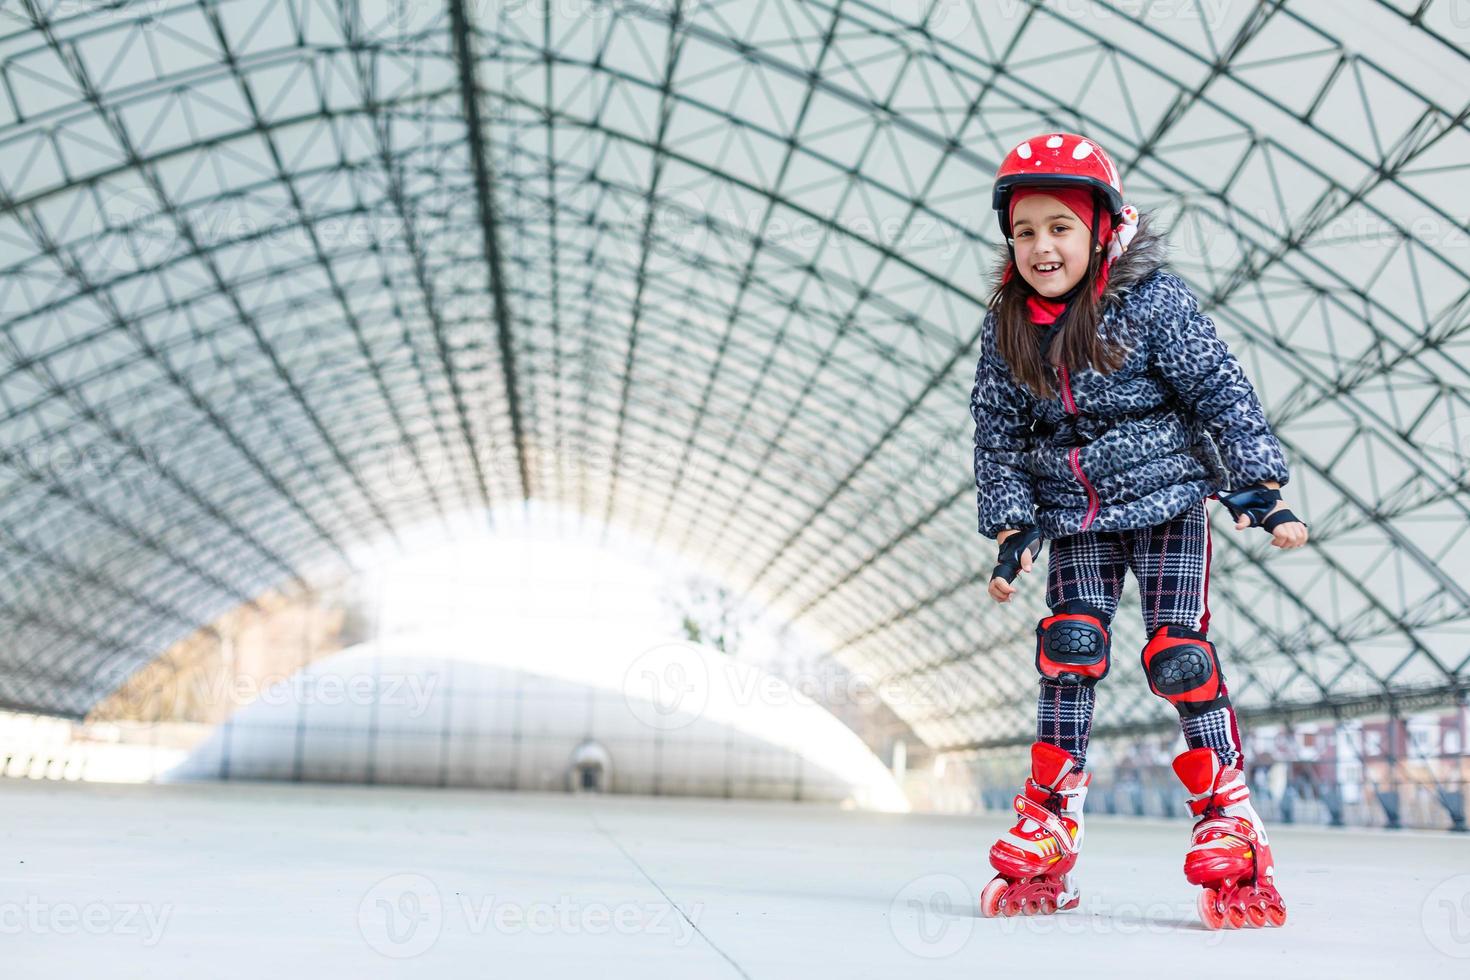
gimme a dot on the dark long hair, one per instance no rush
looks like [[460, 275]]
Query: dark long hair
[[1078, 344]]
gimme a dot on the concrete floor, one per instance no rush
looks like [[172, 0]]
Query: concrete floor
[[282, 881]]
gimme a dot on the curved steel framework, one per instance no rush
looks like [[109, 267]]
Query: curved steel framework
[[282, 276]]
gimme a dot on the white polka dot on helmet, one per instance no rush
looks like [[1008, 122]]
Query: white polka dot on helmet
[[1056, 159]]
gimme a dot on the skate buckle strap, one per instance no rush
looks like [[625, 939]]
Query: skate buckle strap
[[1229, 789], [1048, 822], [1070, 787], [1229, 826], [1074, 782]]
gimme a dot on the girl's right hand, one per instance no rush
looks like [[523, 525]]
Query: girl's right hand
[[1001, 590]]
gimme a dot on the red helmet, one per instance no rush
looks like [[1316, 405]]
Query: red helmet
[[1052, 159]]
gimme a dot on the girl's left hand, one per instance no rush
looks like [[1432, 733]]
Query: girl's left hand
[[1292, 534]]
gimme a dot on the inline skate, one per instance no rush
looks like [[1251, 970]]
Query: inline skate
[[1035, 858], [1229, 854]]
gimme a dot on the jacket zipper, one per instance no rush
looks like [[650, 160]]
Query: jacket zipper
[[1075, 456], [1067, 401]]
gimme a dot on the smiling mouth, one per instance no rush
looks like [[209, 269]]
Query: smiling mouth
[[1046, 268]]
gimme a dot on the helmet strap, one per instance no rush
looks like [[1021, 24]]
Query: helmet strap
[[1097, 206]]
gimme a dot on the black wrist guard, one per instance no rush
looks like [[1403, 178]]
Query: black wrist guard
[[1008, 565], [1255, 502]]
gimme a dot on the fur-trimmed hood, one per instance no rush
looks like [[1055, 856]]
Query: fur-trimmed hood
[[1146, 254]]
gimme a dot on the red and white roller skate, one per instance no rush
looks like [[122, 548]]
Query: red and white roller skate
[[1036, 856], [1229, 853]]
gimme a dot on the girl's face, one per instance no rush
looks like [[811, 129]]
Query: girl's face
[[1052, 246]]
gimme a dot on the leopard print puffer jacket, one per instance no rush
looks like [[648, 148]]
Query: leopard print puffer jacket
[[1177, 423]]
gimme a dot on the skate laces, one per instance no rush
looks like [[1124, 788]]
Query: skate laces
[[1054, 799], [1214, 813], [1046, 797]]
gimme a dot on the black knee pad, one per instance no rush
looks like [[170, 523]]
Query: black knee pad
[[1072, 644], [1183, 669]]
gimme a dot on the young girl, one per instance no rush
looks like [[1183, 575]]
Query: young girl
[[1106, 412]]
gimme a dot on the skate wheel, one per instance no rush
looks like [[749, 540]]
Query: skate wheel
[[1252, 904], [1276, 914], [1210, 912], [1046, 906], [992, 896], [1235, 916]]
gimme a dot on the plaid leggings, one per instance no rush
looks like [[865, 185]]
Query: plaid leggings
[[1172, 564]]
